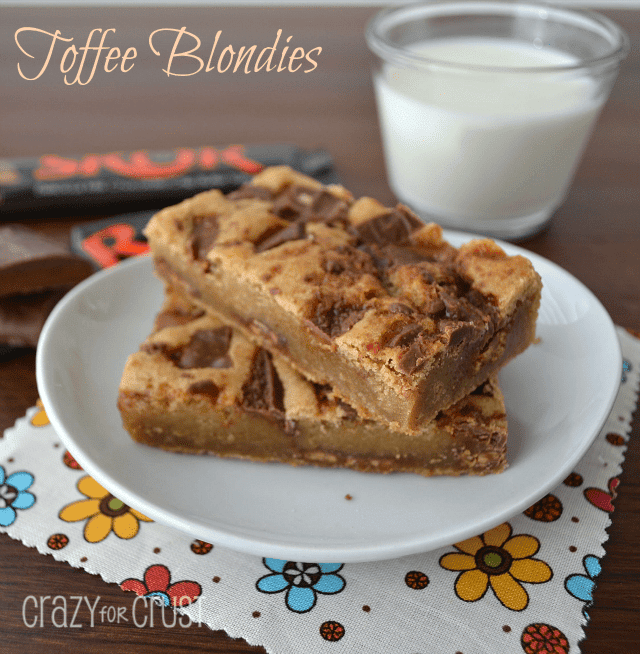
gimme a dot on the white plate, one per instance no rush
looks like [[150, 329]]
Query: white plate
[[558, 394]]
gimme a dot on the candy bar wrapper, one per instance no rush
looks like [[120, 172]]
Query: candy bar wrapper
[[106, 242], [114, 178]]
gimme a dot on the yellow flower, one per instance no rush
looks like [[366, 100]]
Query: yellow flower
[[498, 559], [40, 419], [105, 513]]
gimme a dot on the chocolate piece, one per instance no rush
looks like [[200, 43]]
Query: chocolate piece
[[309, 205], [203, 236], [205, 387], [393, 228], [413, 358], [334, 317], [406, 335], [206, 349], [301, 205], [391, 255], [23, 316], [30, 262], [293, 232], [263, 391]]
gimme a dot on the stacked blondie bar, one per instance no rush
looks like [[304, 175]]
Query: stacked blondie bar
[[303, 326]]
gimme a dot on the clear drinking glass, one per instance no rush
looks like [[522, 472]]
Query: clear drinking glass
[[486, 107]]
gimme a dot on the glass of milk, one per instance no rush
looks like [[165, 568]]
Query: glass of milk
[[486, 107]]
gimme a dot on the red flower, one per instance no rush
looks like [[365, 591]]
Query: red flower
[[600, 498], [540, 638], [156, 583]]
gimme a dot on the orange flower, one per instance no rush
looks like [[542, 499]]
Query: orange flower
[[500, 560], [40, 419], [105, 513]]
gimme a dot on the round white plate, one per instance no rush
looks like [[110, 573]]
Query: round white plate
[[558, 394]]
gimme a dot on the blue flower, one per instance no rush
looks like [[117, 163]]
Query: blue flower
[[14, 495], [580, 586], [626, 367], [302, 581]]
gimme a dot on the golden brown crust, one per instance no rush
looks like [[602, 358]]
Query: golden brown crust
[[363, 297]]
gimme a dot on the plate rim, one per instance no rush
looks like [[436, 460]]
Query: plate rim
[[251, 544]]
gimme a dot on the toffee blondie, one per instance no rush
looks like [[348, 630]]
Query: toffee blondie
[[366, 299], [199, 386]]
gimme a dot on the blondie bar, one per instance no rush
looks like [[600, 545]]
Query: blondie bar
[[366, 299], [199, 386]]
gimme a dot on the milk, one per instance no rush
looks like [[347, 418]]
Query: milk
[[477, 148]]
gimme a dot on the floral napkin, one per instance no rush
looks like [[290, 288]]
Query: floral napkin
[[524, 586]]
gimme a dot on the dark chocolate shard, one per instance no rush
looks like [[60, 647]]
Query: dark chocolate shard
[[405, 335], [293, 232], [390, 228], [335, 316], [301, 205], [294, 201], [463, 331], [309, 205], [31, 262], [412, 359], [459, 308], [203, 236], [207, 348], [390, 256], [250, 192], [205, 387], [23, 316], [327, 208], [264, 391]]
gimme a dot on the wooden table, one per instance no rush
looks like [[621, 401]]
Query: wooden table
[[595, 235]]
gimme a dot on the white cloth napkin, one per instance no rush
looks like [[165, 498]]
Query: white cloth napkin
[[524, 586]]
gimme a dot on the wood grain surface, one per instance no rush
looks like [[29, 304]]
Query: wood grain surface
[[595, 235]]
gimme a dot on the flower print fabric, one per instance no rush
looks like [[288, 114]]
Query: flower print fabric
[[582, 586], [498, 560], [104, 513], [40, 418], [14, 495], [302, 581], [156, 584]]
